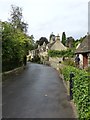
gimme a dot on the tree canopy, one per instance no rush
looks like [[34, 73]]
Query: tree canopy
[[42, 40], [15, 42], [17, 18]]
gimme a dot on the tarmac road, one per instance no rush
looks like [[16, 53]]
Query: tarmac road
[[36, 92]]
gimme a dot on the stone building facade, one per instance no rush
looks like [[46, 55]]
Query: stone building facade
[[42, 51]]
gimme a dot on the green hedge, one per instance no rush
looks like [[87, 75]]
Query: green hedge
[[15, 45], [80, 90]]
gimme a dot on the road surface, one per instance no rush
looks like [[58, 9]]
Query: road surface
[[36, 92]]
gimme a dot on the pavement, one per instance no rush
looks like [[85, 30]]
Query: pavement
[[36, 92]]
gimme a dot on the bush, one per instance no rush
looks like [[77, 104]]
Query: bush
[[80, 90], [15, 45], [88, 69], [69, 62], [36, 59]]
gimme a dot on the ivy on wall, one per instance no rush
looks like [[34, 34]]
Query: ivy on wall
[[63, 53]]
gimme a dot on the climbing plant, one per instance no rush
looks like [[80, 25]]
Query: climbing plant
[[63, 53]]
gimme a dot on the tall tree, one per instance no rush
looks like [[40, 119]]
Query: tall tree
[[32, 39], [17, 19], [32, 42], [63, 38], [70, 42]]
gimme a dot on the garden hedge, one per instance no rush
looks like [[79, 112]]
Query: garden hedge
[[80, 90]]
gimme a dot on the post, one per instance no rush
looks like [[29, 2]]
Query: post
[[71, 85]]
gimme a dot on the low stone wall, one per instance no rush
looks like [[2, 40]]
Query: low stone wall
[[54, 62], [12, 72]]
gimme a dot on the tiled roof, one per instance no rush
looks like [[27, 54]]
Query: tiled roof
[[84, 46]]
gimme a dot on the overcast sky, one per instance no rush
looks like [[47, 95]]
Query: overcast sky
[[46, 16]]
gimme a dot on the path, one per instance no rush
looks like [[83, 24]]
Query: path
[[37, 92]]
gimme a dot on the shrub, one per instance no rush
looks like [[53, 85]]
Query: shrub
[[36, 59], [69, 61], [15, 45], [88, 69], [80, 90]]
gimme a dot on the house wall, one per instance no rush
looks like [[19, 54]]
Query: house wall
[[85, 60], [81, 60]]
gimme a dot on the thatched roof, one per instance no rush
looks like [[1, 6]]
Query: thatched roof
[[84, 47]]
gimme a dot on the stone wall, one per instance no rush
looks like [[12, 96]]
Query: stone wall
[[54, 62]]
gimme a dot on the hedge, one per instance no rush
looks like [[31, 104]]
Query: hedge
[[15, 45], [80, 90]]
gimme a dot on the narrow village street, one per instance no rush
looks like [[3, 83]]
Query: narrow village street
[[36, 92], [45, 59]]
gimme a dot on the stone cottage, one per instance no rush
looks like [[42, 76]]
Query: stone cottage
[[42, 51]]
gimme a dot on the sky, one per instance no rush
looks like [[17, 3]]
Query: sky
[[47, 16], [89, 17]]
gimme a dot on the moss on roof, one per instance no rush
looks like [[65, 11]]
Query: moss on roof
[[84, 46]]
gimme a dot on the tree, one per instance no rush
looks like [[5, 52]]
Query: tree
[[42, 40], [15, 42], [15, 46], [16, 19], [63, 38], [78, 41], [32, 39], [32, 44], [70, 42]]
